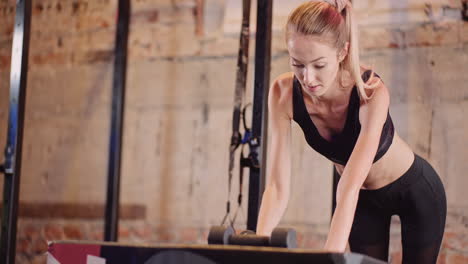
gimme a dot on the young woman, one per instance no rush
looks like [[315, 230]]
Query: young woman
[[343, 110]]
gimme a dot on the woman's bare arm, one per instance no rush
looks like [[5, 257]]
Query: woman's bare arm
[[372, 116], [277, 191]]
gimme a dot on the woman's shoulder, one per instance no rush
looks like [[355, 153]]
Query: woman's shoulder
[[284, 80], [282, 85], [379, 97], [281, 92]]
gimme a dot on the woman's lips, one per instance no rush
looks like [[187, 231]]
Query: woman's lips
[[313, 88]]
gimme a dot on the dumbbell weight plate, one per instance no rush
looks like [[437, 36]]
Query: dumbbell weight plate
[[283, 237], [219, 235]]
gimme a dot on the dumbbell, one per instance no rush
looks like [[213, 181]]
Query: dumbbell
[[225, 235]]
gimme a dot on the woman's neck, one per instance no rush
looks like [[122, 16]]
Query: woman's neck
[[336, 97]]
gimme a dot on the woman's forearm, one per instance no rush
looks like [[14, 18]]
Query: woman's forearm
[[272, 209], [342, 222]]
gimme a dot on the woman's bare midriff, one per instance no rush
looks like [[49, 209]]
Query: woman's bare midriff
[[395, 162]]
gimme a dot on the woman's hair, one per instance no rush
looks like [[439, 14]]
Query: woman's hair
[[333, 20]]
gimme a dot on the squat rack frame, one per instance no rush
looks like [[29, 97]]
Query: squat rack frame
[[13, 150]]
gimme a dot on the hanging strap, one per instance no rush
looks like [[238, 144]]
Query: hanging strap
[[241, 78], [243, 162]]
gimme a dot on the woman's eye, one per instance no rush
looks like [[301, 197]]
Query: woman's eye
[[297, 65], [319, 66]]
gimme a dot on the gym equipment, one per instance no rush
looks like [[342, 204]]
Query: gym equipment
[[225, 235], [237, 138], [71, 252], [258, 148], [12, 167], [254, 137], [283, 237], [220, 235], [115, 138]]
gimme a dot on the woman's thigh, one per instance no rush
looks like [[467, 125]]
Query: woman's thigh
[[422, 214], [370, 231]]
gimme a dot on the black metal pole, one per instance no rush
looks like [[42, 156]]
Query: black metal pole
[[13, 150], [260, 114], [336, 178], [116, 129]]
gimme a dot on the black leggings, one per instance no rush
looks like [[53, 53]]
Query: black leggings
[[418, 198]]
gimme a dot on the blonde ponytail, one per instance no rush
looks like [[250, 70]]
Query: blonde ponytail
[[352, 62]]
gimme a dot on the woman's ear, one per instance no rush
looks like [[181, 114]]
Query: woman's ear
[[344, 51]]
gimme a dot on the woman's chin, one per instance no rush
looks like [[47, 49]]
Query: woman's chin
[[316, 92]]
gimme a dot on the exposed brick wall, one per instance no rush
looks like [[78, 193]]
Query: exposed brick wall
[[180, 87]]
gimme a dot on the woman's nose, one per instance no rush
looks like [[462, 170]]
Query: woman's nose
[[309, 77]]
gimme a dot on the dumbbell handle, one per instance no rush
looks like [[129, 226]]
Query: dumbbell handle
[[249, 240]]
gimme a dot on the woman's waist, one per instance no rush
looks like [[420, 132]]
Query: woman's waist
[[396, 161]]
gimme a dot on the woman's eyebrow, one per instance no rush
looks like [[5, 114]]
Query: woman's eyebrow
[[311, 61]]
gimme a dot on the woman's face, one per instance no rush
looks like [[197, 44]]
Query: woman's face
[[314, 63]]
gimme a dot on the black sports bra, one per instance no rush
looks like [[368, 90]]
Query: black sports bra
[[340, 148]]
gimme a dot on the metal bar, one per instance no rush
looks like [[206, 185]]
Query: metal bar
[[260, 114], [116, 130], [336, 178], [13, 150]]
